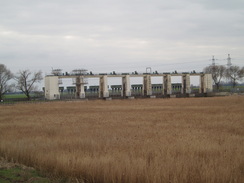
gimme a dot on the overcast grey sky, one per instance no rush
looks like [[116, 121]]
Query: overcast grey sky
[[120, 35]]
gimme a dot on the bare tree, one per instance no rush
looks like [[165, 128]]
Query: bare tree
[[234, 73], [5, 77], [218, 73], [26, 80]]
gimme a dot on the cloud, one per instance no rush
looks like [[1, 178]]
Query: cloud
[[123, 35], [221, 4]]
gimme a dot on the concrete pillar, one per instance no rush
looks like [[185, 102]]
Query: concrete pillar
[[186, 88], [201, 87], [147, 85], [167, 88], [51, 88], [126, 92], [103, 87], [78, 87], [206, 83], [82, 87]]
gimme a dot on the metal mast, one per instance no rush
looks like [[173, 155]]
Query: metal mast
[[229, 61], [213, 61]]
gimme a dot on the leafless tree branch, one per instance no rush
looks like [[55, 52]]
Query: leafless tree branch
[[5, 77], [26, 80]]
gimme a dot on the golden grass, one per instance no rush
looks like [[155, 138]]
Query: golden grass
[[146, 140]]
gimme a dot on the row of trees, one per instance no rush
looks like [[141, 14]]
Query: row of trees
[[24, 81], [220, 72]]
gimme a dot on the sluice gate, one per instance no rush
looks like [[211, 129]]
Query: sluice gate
[[126, 90]]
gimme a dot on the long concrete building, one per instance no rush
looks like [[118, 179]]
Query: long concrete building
[[52, 91]]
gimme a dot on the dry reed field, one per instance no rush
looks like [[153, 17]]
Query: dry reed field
[[143, 140]]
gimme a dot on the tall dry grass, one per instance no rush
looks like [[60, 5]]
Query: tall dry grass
[[146, 140]]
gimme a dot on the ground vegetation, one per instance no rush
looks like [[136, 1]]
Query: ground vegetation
[[143, 140]]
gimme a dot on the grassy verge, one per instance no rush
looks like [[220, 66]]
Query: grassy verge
[[20, 96], [12, 172], [20, 175], [17, 173]]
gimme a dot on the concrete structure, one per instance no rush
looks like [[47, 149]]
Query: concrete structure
[[82, 87], [206, 83], [52, 88], [167, 89], [147, 86], [126, 91], [146, 89], [186, 86], [79, 82], [103, 87]]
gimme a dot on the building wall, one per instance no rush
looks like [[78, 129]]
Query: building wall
[[208, 83], [51, 88]]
